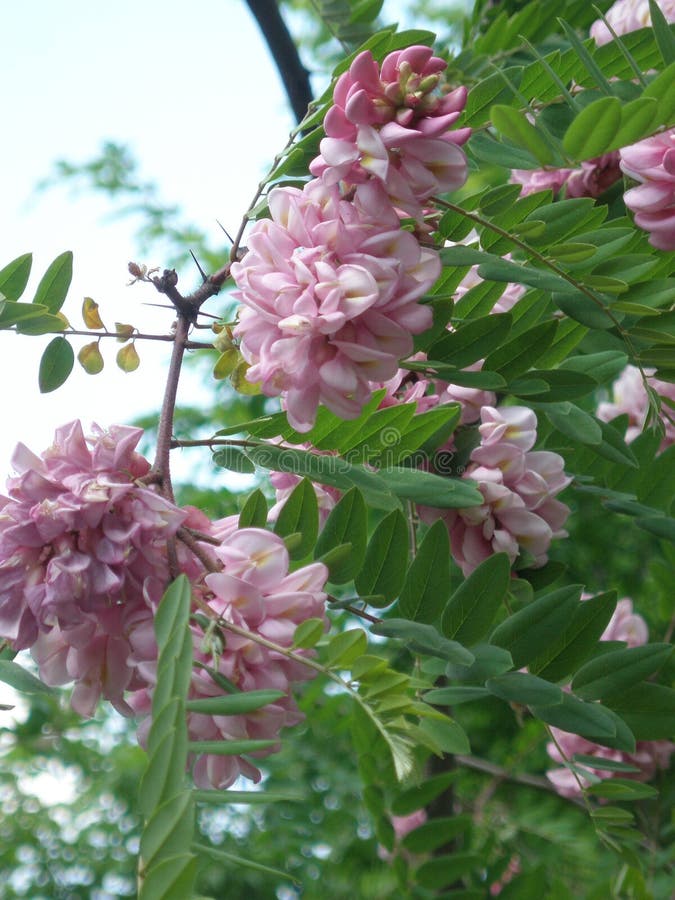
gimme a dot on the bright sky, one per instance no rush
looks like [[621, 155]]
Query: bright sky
[[193, 92]]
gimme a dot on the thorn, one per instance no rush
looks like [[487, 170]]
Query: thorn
[[227, 233], [205, 277]]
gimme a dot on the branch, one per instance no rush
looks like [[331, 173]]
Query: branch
[[294, 75]]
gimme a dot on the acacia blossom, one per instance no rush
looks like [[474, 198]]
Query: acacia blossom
[[519, 486], [394, 124], [82, 548], [625, 625], [591, 179], [254, 592], [629, 397], [652, 163], [628, 15], [330, 290]]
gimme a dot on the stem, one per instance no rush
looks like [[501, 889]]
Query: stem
[[165, 430], [502, 774]]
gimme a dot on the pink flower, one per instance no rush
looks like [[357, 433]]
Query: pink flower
[[629, 15], [405, 824], [625, 625], [330, 290], [534, 180], [256, 593], [82, 547], [649, 756], [592, 179], [519, 487], [652, 163], [394, 125], [629, 397]]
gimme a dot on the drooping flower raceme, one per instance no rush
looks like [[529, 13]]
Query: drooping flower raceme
[[330, 290], [255, 593], [652, 163], [625, 625], [519, 486], [394, 124], [81, 544]]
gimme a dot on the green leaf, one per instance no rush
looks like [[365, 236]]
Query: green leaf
[[573, 422], [300, 515], [15, 675], [592, 131], [53, 287], [520, 353], [488, 661], [12, 313], [453, 696], [386, 559], [471, 609], [326, 470], [230, 748], [421, 795], [169, 830], [234, 459], [309, 633], [254, 512], [430, 489], [577, 639], [530, 631], [436, 832], [664, 36], [445, 870], [235, 704], [471, 341], [345, 647], [427, 583], [14, 276], [346, 523], [233, 859], [648, 710], [173, 612], [611, 765], [171, 879], [514, 125], [622, 789], [424, 639], [586, 719], [446, 734], [56, 365], [520, 687], [613, 672]]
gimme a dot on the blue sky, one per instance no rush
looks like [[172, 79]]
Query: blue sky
[[192, 91]]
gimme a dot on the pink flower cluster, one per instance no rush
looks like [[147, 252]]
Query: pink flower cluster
[[84, 563], [331, 283], [255, 592], [330, 290], [394, 124], [629, 397], [652, 163], [591, 179], [628, 626], [628, 15], [519, 485], [81, 543]]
